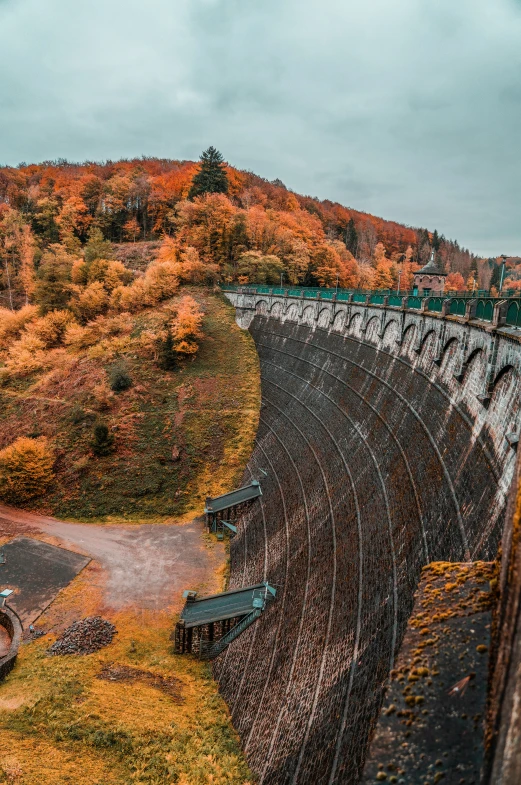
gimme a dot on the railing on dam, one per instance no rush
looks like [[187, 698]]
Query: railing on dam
[[478, 305]]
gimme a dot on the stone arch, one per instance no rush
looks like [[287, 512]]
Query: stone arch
[[428, 346], [475, 347], [371, 329], [324, 317], [391, 334], [292, 312], [276, 310], [408, 338], [503, 393], [355, 324], [448, 343], [430, 332], [339, 321], [353, 316], [411, 322], [470, 359], [473, 371], [501, 375], [448, 355], [261, 306], [308, 315]]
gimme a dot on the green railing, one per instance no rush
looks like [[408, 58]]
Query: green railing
[[514, 314], [435, 304], [458, 306], [485, 310], [458, 300]]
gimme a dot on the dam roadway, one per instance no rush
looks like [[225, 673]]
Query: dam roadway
[[386, 441]]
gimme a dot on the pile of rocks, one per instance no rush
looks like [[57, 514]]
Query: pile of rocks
[[84, 637]]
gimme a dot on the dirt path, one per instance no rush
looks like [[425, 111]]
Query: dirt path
[[146, 566]]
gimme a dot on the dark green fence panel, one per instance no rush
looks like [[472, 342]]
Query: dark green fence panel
[[514, 314], [435, 304], [377, 299], [414, 302], [395, 300], [359, 297], [457, 307], [485, 310]]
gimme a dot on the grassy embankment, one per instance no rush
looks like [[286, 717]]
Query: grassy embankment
[[207, 409], [59, 723]]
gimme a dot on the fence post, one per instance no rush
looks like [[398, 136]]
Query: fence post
[[499, 317]]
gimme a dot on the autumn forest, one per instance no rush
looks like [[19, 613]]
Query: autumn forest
[[56, 218]]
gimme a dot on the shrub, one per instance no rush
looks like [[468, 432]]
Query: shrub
[[166, 356], [90, 302], [109, 273], [161, 281], [26, 356], [129, 298], [81, 465], [26, 469], [78, 337], [186, 327], [103, 443], [79, 272], [103, 396], [119, 379], [13, 322], [78, 414], [51, 328]]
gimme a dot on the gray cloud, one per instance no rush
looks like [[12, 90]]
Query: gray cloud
[[409, 110]]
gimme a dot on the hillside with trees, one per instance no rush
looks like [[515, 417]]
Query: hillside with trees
[[109, 332], [216, 222]]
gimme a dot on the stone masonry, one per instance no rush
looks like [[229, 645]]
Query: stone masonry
[[387, 440]]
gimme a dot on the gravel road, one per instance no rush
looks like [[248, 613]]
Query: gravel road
[[147, 566]]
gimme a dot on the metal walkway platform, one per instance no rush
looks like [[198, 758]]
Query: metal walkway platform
[[209, 624], [234, 502]]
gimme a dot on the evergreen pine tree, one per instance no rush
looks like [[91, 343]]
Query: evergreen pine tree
[[436, 240], [351, 237], [496, 273], [97, 247], [211, 177], [52, 292], [103, 440], [167, 358]]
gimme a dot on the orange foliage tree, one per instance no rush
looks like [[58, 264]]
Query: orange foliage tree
[[26, 469], [82, 206], [454, 282]]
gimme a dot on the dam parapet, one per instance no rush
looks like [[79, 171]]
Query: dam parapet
[[387, 441], [430, 337]]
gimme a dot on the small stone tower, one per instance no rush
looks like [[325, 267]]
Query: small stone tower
[[430, 278]]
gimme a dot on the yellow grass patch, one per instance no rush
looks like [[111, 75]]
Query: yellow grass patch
[[84, 730], [27, 761]]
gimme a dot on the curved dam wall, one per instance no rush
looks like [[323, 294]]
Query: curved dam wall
[[386, 441]]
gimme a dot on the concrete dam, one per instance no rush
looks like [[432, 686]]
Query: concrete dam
[[387, 440]]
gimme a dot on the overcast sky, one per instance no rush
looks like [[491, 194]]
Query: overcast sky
[[408, 109]]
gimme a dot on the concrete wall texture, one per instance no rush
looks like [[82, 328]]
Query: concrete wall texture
[[385, 442]]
